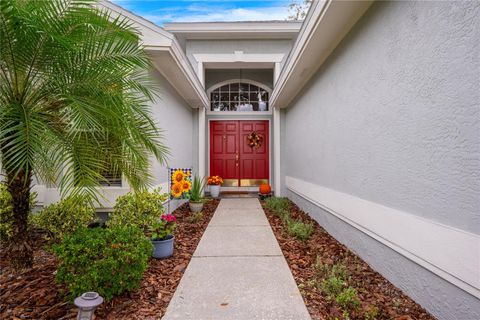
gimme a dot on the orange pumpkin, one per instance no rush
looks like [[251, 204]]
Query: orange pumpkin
[[265, 188]]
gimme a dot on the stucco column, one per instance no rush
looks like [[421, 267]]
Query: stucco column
[[276, 152], [201, 142]]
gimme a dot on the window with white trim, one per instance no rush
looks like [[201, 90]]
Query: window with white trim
[[239, 95], [111, 178]]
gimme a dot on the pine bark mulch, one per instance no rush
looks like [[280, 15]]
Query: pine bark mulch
[[33, 293], [372, 288]]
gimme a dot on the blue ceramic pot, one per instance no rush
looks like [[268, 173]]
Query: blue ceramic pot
[[163, 248]]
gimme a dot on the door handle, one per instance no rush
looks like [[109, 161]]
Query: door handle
[[236, 157]]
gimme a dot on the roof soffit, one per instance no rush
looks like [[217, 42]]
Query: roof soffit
[[324, 27]]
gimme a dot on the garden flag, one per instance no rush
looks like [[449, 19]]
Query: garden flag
[[180, 182]]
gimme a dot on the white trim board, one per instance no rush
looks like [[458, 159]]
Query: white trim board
[[234, 30], [451, 253], [239, 56], [237, 60]]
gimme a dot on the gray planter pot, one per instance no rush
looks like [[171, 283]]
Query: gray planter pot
[[163, 248], [195, 206], [215, 191]]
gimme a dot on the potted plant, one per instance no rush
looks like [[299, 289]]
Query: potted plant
[[162, 236], [196, 193], [214, 182]]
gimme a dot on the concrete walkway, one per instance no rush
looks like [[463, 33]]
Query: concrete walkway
[[238, 271]]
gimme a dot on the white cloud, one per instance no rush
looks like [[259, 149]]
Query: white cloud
[[238, 14], [209, 11]]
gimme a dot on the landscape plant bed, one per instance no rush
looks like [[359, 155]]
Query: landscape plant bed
[[315, 264], [34, 294]]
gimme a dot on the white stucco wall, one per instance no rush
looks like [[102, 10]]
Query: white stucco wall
[[177, 120], [393, 118]]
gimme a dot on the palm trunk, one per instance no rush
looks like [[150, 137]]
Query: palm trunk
[[19, 249]]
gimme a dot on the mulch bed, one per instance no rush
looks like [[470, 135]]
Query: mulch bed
[[33, 293], [372, 288]]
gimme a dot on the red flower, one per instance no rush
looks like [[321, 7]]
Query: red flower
[[169, 217]]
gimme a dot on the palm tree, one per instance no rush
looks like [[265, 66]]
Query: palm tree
[[74, 102]]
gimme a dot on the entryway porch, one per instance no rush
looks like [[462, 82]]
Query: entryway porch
[[240, 264]]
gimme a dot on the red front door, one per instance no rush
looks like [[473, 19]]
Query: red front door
[[232, 158]]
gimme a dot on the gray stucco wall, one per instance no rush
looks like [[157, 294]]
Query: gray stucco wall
[[177, 120], [214, 76], [438, 296], [393, 117], [229, 46]]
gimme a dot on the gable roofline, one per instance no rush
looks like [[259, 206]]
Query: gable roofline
[[138, 20], [235, 30], [167, 57], [325, 25]]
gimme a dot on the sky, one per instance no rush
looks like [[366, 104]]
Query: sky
[[161, 11]]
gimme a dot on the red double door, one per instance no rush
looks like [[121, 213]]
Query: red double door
[[231, 156]]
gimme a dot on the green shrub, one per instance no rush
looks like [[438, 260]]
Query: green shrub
[[371, 313], [335, 285], [141, 209], [6, 213], [325, 270], [194, 218], [332, 286], [109, 261], [335, 278], [64, 217], [299, 229], [284, 215], [348, 299], [277, 204]]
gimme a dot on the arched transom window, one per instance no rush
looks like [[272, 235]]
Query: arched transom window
[[239, 95]]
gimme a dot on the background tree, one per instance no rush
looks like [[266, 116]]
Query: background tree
[[298, 9], [74, 102]]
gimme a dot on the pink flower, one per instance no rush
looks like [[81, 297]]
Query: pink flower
[[169, 217]]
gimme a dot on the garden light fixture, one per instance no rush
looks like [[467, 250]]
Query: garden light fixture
[[87, 303]]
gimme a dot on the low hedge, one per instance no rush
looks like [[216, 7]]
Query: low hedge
[[109, 261], [140, 209], [64, 217]]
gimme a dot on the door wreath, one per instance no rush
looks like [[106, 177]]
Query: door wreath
[[254, 140]]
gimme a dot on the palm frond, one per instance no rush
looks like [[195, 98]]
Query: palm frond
[[74, 95]]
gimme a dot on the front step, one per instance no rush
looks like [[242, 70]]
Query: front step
[[238, 194]]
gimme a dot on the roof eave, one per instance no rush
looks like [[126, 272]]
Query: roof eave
[[167, 57], [172, 63], [325, 26], [235, 30]]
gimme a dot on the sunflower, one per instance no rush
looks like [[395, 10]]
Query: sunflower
[[186, 185], [178, 176], [177, 190]]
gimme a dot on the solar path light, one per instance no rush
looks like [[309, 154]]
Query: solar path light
[[87, 303]]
